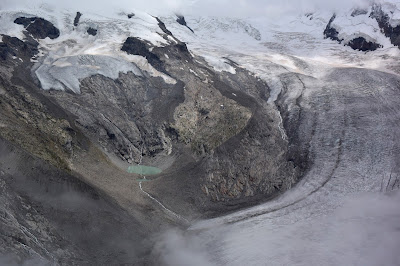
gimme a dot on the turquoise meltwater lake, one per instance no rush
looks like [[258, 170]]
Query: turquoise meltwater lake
[[143, 170]]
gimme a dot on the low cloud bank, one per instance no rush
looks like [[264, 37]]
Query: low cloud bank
[[363, 231]]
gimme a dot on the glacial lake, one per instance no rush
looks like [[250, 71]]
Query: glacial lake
[[143, 170]]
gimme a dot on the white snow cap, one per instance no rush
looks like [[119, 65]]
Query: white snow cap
[[230, 8]]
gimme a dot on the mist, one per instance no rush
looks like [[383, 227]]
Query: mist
[[364, 231], [230, 8]]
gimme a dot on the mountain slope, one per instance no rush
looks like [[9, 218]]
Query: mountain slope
[[232, 112]]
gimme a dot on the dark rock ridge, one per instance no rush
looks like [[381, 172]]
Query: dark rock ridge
[[135, 46], [330, 32], [92, 31], [181, 20], [38, 27], [12, 46], [77, 17], [393, 33], [163, 27], [362, 44]]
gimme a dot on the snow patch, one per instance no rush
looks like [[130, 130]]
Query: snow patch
[[360, 26]]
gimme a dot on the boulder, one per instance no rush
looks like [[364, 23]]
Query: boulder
[[77, 17], [92, 31]]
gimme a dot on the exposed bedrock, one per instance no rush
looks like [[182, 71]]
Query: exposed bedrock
[[358, 43], [92, 31], [212, 133], [330, 32], [135, 46], [393, 33], [12, 46], [238, 154], [38, 27], [77, 18], [61, 199], [181, 20]]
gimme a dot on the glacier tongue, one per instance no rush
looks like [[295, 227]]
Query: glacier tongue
[[66, 72]]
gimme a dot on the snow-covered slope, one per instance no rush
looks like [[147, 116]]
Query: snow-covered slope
[[76, 54], [338, 104], [288, 42]]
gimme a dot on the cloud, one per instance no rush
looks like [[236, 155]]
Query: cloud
[[175, 248], [365, 230]]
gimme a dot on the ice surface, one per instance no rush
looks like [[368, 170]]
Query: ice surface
[[345, 220], [66, 72], [75, 55]]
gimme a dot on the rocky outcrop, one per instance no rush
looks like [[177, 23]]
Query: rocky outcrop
[[12, 46], [76, 19], [361, 44], [163, 27], [330, 32], [181, 20], [212, 133], [358, 43], [48, 214], [92, 31], [38, 27], [131, 15], [393, 33], [135, 46]]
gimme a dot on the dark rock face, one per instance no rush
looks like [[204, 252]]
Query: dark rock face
[[177, 51], [362, 44], [15, 47], [136, 46], [181, 20], [330, 32], [393, 33], [38, 27], [24, 21], [131, 15], [77, 17], [92, 31], [163, 27]]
